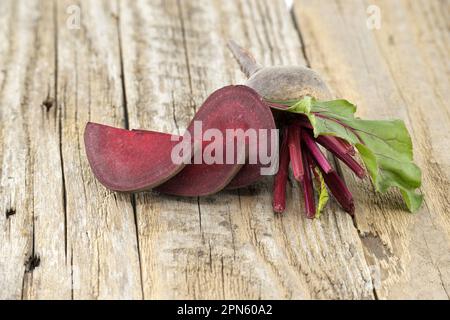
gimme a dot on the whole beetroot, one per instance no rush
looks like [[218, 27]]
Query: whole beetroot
[[280, 82]]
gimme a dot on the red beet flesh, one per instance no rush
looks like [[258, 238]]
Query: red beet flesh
[[232, 107], [124, 160], [136, 160]]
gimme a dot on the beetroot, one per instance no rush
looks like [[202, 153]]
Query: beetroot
[[124, 160], [280, 82], [137, 160], [231, 107], [282, 87], [234, 127]]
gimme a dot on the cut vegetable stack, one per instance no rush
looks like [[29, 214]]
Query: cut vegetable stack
[[138, 160]]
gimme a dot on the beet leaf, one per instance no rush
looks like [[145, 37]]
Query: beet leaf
[[384, 145], [320, 186]]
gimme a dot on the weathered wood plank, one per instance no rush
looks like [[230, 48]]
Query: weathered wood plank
[[228, 245], [401, 70], [62, 235], [101, 235], [32, 260], [150, 64]]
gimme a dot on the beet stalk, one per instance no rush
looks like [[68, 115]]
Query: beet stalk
[[337, 187], [302, 122], [316, 153], [330, 142], [332, 145], [280, 180], [295, 151], [340, 191], [307, 183], [349, 148]]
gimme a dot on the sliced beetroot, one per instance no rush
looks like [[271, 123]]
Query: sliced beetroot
[[249, 173], [136, 160], [231, 107], [124, 160]]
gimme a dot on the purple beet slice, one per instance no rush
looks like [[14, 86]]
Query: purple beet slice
[[231, 107], [251, 173], [124, 160]]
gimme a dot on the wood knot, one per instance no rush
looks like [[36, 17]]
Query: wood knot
[[32, 262], [391, 40], [48, 103], [10, 212]]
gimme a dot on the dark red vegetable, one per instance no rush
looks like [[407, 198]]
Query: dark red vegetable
[[231, 107], [124, 160], [315, 152], [250, 173], [280, 180], [334, 146], [350, 149], [307, 184], [292, 83], [138, 160], [340, 191], [295, 151]]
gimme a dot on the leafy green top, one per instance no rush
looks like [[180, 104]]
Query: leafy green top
[[384, 145]]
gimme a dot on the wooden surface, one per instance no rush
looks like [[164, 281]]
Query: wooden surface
[[150, 64]]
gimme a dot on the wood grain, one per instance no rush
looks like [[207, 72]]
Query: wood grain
[[229, 245], [150, 64], [32, 254], [401, 71], [101, 235]]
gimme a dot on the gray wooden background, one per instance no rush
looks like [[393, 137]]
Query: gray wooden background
[[149, 64]]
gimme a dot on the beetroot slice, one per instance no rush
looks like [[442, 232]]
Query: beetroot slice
[[251, 173], [124, 160], [231, 107]]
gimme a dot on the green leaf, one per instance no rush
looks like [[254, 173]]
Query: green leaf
[[391, 150], [369, 160], [321, 190], [336, 108], [385, 146], [412, 199], [288, 103], [302, 106], [324, 126]]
